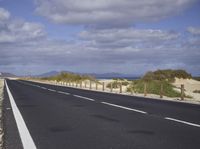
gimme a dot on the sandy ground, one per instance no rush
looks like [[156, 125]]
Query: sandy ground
[[1, 100], [190, 85]]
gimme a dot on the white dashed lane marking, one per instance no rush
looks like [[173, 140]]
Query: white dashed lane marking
[[51, 90], [84, 97], [126, 108], [181, 121], [43, 87], [63, 93]]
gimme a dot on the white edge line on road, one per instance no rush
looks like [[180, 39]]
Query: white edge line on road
[[84, 97], [63, 92], [25, 136], [126, 108], [181, 121]]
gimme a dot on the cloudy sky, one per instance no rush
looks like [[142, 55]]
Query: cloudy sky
[[125, 36]]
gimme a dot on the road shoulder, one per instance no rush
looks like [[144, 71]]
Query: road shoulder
[[11, 134]]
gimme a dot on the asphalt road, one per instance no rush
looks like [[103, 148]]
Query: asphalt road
[[68, 118]]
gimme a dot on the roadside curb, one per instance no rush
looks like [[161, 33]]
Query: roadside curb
[[1, 113]]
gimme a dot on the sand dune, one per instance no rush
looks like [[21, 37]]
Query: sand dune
[[190, 85]]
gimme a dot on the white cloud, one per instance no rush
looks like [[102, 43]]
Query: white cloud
[[127, 50], [16, 30], [127, 37], [194, 30], [109, 12], [4, 14]]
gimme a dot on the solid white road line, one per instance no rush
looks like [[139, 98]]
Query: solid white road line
[[122, 107], [181, 121], [63, 92], [25, 136], [84, 97]]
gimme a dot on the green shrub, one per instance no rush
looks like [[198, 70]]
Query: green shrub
[[166, 75], [117, 83], [69, 77], [153, 87]]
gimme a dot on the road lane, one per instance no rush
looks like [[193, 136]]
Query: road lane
[[25, 136], [154, 107], [58, 120]]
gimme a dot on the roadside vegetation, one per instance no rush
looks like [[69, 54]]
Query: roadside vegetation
[[69, 77], [117, 82], [168, 75], [154, 80]]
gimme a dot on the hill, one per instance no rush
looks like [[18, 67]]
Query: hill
[[166, 75], [48, 74], [68, 77], [95, 75], [154, 80], [5, 74]]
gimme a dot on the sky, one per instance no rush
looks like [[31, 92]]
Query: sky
[[99, 36]]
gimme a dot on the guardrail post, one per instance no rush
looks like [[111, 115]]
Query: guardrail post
[[161, 91], [103, 88], [182, 91], [96, 86], [81, 84], [90, 84], [145, 89], [131, 91], [111, 87], [120, 91]]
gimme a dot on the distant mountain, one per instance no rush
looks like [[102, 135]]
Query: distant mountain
[[48, 74], [5, 74], [51, 73], [112, 75], [96, 75]]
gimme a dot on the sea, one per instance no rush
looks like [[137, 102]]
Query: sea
[[127, 78]]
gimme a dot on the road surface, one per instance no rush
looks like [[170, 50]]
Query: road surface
[[58, 117]]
